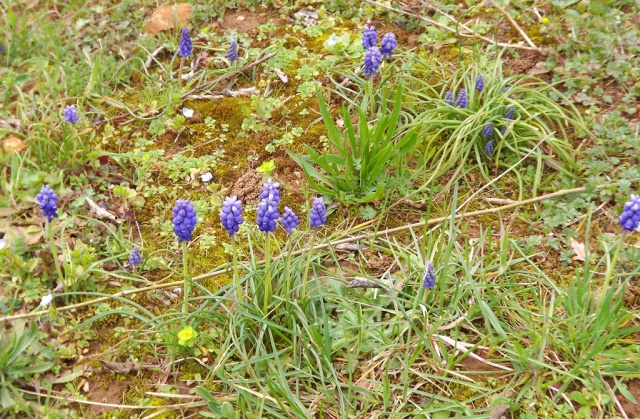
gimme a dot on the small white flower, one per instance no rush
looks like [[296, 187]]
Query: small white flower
[[188, 113], [46, 300], [206, 177], [3, 244], [332, 41]]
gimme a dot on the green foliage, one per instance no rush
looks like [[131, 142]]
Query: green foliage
[[19, 362], [358, 170]]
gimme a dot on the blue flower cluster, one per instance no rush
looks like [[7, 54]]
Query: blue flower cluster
[[487, 130], [135, 257], [268, 206], [429, 276], [388, 44], [70, 114], [289, 220], [318, 214], [489, 147], [231, 215], [232, 52], [630, 217], [184, 220], [47, 200], [448, 98], [372, 55], [479, 83], [462, 100], [372, 59], [185, 47], [369, 37]]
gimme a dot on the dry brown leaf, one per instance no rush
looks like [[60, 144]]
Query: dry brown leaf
[[165, 16], [13, 144], [578, 248], [31, 234]]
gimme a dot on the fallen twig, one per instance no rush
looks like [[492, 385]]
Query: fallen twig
[[445, 27], [514, 23], [228, 76]]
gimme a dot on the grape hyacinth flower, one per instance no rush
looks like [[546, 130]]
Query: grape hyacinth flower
[[372, 60], [289, 220], [462, 99], [489, 147], [71, 114], [185, 47], [184, 220], [47, 200], [448, 98], [230, 215], [318, 215], [510, 115], [428, 276], [487, 130], [232, 52], [479, 83], [271, 190], [135, 257], [630, 217], [267, 215], [388, 44], [369, 37], [503, 130]]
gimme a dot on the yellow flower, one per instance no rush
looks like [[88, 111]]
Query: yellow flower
[[187, 335], [545, 20]]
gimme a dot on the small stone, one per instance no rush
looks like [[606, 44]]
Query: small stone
[[13, 144]]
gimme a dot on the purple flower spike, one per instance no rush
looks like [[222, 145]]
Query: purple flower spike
[[70, 114], [185, 47], [372, 60], [232, 52], [289, 220], [429, 276], [510, 115], [487, 130], [230, 215], [47, 200], [318, 214], [448, 98], [479, 83], [489, 148], [267, 215], [271, 190], [369, 37], [135, 257], [503, 130], [184, 220], [462, 99], [630, 217], [388, 44]]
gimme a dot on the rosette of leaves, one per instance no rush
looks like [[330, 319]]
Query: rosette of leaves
[[342, 46], [361, 167]]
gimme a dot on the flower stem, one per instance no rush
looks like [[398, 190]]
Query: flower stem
[[236, 278], [180, 72], [54, 254], [287, 275], [187, 279], [612, 266], [267, 272], [303, 291]]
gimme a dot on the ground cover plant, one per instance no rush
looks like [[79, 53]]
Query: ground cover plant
[[327, 209]]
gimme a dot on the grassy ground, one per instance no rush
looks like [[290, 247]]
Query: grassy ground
[[533, 312]]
